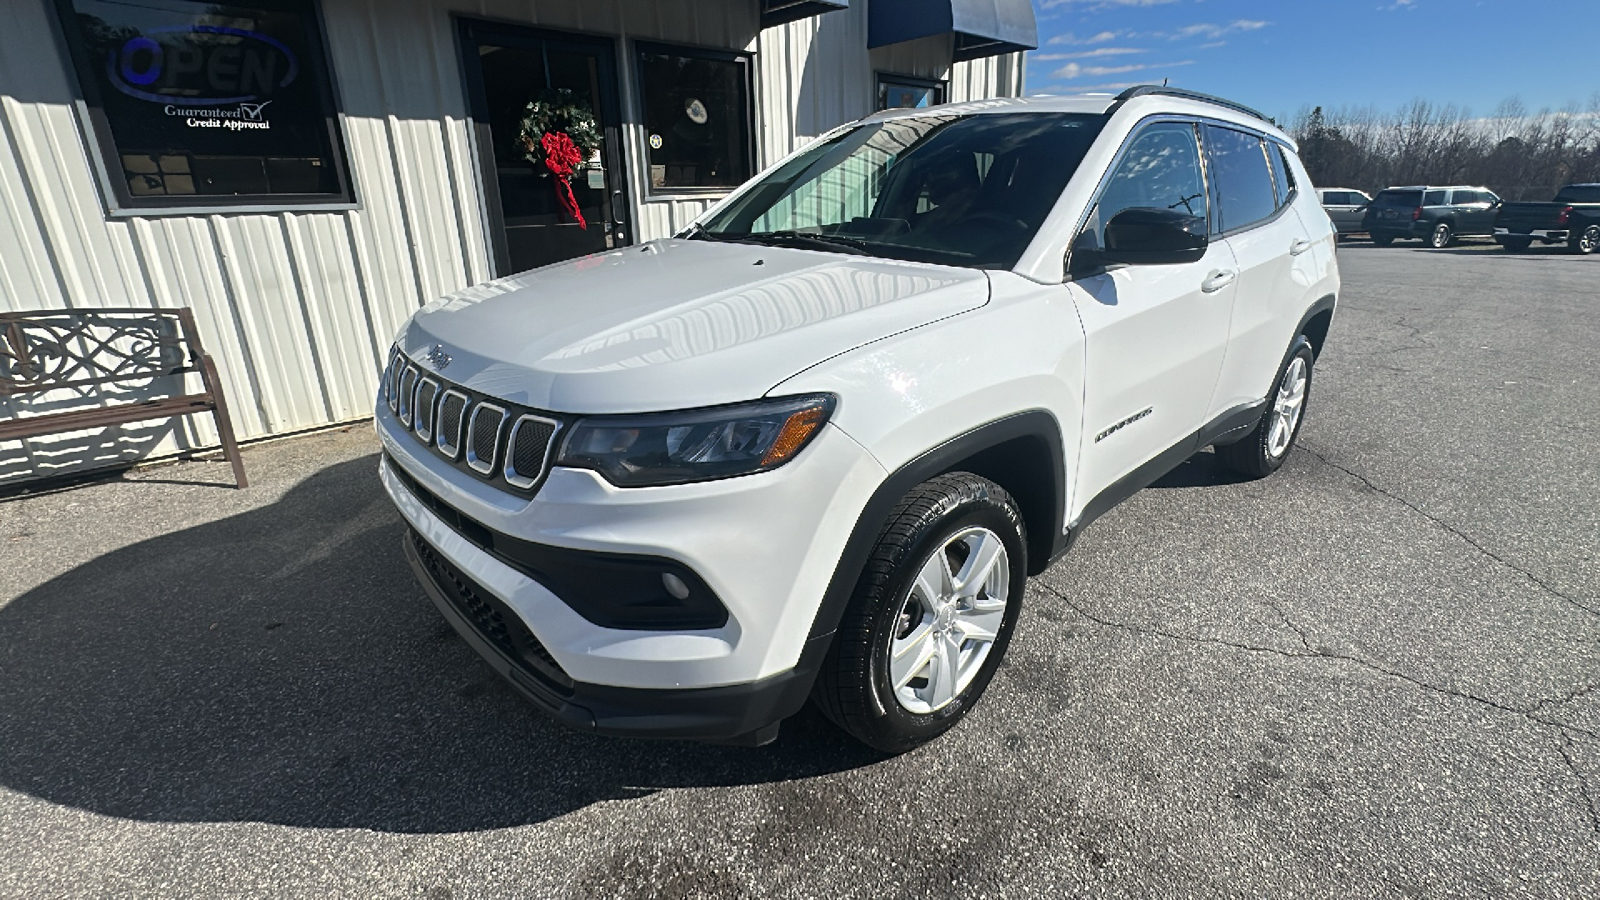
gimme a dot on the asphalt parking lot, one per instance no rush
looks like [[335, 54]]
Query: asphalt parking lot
[[1375, 674]]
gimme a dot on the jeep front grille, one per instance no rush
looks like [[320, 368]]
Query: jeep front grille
[[500, 442]]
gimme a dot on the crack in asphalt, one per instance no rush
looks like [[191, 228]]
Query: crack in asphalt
[[1565, 748], [1567, 698], [1530, 713], [1564, 729], [1536, 580]]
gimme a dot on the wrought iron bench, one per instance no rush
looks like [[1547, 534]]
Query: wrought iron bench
[[89, 350]]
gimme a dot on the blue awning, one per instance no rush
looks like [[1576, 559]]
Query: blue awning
[[777, 12], [981, 27]]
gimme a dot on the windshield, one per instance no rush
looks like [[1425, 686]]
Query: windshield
[[960, 190], [1398, 198], [1579, 193]]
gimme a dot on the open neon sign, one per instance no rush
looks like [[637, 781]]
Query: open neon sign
[[201, 73]]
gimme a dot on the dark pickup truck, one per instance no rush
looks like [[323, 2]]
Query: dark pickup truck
[[1572, 218]]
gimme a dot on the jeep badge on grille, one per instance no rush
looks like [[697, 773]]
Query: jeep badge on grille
[[437, 357]]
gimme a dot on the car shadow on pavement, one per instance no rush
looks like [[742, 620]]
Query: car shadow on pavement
[[1203, 469], [282, 666], [1494, 251]]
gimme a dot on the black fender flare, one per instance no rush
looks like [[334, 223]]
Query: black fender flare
[[1326, 304], [1036, 423]]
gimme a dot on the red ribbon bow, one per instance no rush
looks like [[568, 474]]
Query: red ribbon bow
[[561, 157]]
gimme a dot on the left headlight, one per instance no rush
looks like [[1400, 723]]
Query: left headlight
[[696, 445]]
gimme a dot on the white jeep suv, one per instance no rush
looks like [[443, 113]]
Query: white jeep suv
[[813, 446]]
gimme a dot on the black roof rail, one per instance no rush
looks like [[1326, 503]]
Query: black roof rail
[[1145, 90]]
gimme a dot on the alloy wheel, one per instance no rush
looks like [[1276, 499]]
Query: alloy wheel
[[949, 620], [1287, 407], [1589, 241]]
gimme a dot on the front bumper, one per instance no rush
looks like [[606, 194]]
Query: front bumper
[[766, 545], [742, 713]]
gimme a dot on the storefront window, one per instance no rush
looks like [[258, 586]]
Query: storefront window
[[697, 118], [198, 105], [900, 92]]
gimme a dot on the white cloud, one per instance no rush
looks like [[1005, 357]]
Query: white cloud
[[1213, 30], [1047, 4], [1079, 70], [1100, 52], [1070, 38]]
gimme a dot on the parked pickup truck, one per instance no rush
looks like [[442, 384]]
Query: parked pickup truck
[[1572, 218]]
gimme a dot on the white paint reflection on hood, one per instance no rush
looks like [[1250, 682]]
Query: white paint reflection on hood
[[743, 315]]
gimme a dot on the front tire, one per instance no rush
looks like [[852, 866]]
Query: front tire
[[931, 616], [1587, 241], [1516, 245], [1382, 241], [1262, 451], [1441, 236]]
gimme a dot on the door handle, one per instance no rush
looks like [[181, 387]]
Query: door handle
[[1218, 280], [1300, 246]]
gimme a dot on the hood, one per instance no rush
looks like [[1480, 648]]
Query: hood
[[677, 324]]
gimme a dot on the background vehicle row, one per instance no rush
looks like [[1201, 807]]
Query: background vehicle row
[[1437, 216]]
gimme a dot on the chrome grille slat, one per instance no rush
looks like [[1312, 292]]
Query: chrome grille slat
[[528, 450], [408, 383], [392, 379], [480, 440], [423, 407], [451, 417]]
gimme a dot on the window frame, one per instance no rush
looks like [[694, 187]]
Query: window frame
[[881, 78], [100, 144], [1271, 148], [746, 62]]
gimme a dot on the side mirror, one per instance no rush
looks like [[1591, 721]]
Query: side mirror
[[1144, 236]]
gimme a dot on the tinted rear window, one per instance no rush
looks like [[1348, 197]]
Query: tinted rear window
[[1398, 198], [1579, 194], [1239, 170]]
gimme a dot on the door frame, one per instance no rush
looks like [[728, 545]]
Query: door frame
[[470, 33]]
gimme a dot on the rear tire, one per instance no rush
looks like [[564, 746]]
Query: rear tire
[[1382, 241], [1441, 236], [931, 616], [1517, 245], [1586, 242], [1262, 451]]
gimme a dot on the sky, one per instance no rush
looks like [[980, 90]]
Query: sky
[[1280, 56]]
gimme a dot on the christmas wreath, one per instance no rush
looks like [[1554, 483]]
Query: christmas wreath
[[559, 132]]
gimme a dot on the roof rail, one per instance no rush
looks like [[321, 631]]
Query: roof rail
[[1144, 90]]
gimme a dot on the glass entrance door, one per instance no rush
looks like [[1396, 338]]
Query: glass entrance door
[[506, 67]]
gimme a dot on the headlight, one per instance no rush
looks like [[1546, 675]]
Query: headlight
[[697, 445]]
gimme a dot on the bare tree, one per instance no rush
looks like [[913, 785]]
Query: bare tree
[[1517, 154]]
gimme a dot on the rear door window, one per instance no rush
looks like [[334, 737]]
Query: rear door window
[[1579, 193], [1434, 198], [1398, 198], [1243, 181]]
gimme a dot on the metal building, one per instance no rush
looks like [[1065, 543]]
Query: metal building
[[306, 173]]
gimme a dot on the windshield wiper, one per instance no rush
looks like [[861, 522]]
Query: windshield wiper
[[812, 240]]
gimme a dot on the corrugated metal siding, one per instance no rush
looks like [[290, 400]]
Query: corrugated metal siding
[[298, 308]]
